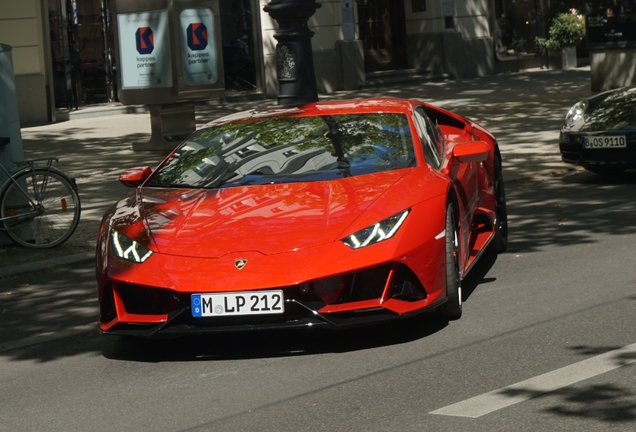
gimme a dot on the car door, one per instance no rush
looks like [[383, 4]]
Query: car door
[[465, 181]]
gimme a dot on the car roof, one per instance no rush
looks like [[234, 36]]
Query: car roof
[[347, 106]]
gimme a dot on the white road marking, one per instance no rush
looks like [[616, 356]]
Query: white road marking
[[501, 398], [440, 235], [46, 337]]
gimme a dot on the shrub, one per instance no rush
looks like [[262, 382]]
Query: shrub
[[566, 30]]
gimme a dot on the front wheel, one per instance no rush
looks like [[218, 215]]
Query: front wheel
[[40, 209], [452, 309]]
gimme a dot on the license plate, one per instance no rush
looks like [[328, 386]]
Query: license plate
[[242, 303], [604, 141]]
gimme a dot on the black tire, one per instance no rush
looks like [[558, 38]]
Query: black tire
[[499, 242], [452, 309], [53, 218]]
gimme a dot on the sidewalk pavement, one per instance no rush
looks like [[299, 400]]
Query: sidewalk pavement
[[524, 110]]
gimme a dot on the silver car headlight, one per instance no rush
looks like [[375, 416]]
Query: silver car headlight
[[128, 249], [576, 112], [383, 230]]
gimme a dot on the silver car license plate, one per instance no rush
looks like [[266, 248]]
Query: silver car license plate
[[604, 141]]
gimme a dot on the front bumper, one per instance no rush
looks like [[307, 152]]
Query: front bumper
[[381, 293], [572, 151], [328, 285]]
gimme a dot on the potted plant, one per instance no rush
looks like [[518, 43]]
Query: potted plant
[[567, 30]]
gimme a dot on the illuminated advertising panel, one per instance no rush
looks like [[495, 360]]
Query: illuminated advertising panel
[[198, 46], [144, 43]]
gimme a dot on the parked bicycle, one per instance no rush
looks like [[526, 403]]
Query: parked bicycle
[[39, 204]]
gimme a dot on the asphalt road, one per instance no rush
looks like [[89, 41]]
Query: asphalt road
[[545, 343]]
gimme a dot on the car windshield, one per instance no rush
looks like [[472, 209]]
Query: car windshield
[[289, 149]]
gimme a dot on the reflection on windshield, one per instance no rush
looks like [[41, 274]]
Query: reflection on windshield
[[282, 150], [614, 112]]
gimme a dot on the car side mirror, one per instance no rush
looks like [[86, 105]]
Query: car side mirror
[[475, 151], [134, 177], [469, 152]]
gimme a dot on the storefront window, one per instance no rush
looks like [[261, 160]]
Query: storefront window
[[518, 23], [611, 24]]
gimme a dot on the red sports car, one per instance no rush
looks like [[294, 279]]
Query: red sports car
[[326, 214]]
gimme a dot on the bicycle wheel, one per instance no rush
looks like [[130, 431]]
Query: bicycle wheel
[[41, 209]]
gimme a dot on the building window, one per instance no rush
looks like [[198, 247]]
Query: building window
[[518, 23]]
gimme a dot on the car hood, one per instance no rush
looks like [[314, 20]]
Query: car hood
[[613, 110], [268, 219]]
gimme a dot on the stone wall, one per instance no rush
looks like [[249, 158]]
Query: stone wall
[[21, 27]]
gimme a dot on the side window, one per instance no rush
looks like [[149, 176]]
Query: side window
[[437, 133], [429, 137]]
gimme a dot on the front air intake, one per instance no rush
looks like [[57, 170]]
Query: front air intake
[[145, 300]]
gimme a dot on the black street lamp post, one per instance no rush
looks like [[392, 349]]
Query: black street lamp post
[[294, 55]]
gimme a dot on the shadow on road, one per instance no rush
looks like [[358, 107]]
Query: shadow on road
[[269, 344], [572, 210], [608, 403], [49, 302], [478, 275]]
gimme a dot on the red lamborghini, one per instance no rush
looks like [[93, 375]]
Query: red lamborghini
[[327, 214]]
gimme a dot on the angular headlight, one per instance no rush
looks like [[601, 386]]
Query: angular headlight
[[128, 249], [383, 230], [576, 112]]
